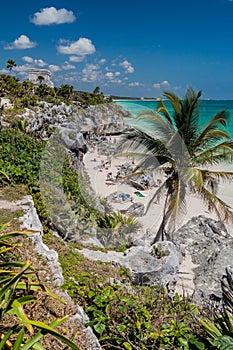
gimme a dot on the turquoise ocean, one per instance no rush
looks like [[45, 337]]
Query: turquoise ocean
[[207, 109]]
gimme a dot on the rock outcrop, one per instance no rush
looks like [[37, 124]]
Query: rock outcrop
[[204, 248], [155, 265], [210, 247], [99, 119]]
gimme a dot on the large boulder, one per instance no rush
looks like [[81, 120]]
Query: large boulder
[[210, 247], [155, 265]]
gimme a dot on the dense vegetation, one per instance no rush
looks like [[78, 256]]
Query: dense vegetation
[[123, 316], [26, 94]]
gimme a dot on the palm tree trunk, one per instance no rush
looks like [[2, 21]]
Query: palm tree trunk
[[161, 230]]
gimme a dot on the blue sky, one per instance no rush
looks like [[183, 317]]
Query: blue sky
[[127, 47]]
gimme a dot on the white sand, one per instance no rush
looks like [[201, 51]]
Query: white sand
[[195, 206]]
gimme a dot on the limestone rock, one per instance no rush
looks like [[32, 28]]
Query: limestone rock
[[156, 265], [211, 249]]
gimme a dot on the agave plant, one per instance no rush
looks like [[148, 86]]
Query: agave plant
[[16, 291], [220, 329]]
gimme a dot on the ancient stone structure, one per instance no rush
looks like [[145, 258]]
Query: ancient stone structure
[[34, 73]]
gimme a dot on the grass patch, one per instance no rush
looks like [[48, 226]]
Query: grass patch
[[13, 193], [7, 215]]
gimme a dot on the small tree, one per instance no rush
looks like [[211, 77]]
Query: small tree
[[96, 91], [11, 64]]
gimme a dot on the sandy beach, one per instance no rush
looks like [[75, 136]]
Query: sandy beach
[[194, 205]]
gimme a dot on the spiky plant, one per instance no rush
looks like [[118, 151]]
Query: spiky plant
[[17, 289]]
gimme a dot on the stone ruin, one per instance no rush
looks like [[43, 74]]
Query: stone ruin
[[34, 73]]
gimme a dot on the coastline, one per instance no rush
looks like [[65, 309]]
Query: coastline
[[151, 221]]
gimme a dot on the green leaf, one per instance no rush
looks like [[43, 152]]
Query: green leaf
[[183, 342], [127, 346], [49, 330], [15, 279], [91, 293], [38, 346], [121, 327], [34, 341], [18, 309], [99, 327], [19, 340], [224, 343], [138, 325], [199, 345], [5, 339]]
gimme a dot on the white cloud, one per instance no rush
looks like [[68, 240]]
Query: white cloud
[[40, 63], [54, 68], [76, 58], [127, 66], [135, 83], [91, 73], [27, 59], [161, 85], [50, 15], [81, 47], [109, 75], [36, 62], [67, 66], [21, 43], [112, 77], [117, 81], [102, 61]]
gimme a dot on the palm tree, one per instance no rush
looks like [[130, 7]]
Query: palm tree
[[11, 64], [179, 147], [96, 91]]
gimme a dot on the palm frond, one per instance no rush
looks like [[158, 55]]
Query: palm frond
[[163, 109], [174, 100], [219, 119], [215, 154], [154, 125], [222, 209], [156, 195]]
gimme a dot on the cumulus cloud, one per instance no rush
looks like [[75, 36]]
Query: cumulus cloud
[[76, 58], [161, 85], [135, 83], [90, 73], [50, 15], [40, 63], [102, 61], [109, 75], [67, 66], [117, 81], [54, 68], [112, 77], [28, 59], [81, 47], [127, 66], [36, 62], [21, 43]]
